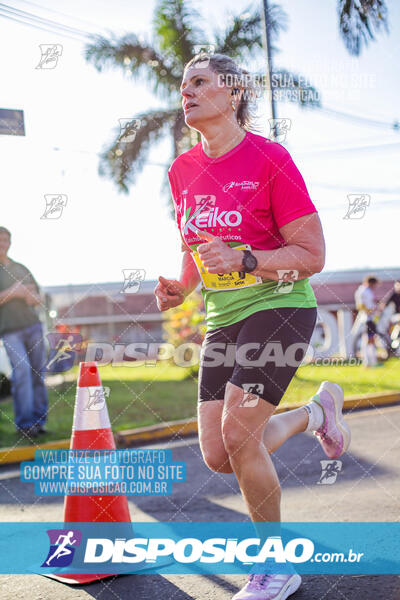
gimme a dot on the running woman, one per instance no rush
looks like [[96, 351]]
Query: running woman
[[252, 236]]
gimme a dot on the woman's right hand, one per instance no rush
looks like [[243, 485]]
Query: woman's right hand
[[169, 293]]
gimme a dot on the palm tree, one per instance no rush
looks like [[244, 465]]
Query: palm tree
[[358, 20], [178, 35]]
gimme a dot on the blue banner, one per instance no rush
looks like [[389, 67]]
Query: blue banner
[[132, 472], [200, 547]]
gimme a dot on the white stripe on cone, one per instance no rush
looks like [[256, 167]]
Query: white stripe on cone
[[90, 409]]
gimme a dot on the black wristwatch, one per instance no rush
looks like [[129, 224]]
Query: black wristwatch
[[249, 261]]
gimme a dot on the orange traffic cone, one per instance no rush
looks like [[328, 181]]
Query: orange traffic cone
[[91, 430]]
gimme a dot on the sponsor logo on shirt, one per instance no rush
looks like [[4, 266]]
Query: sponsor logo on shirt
[[244, 185], [207, 214]]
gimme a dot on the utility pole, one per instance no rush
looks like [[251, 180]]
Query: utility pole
[[267, 49]]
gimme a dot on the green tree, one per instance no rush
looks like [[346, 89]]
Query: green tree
[[359, 21], [185, 324], [177, 31]]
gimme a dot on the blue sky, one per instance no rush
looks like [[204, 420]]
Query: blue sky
[[76, 110]]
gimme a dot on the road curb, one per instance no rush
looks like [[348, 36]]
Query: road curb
[[184, 427], [20, 453]]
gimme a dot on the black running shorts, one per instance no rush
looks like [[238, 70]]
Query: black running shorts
[[260, 353]]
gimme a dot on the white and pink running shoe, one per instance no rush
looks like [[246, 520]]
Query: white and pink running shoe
[[269, 587], [334, 434]]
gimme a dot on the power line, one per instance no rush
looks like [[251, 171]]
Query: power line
[[48, 25], [31, 20], [322, 205], [343, 150], [40, 28], [351, 187], [395, 125], [57, 12], [318, 151], [47, 30], [42, 20], [45, 24]]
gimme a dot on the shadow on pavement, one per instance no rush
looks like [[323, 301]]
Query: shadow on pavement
[[138, 587]]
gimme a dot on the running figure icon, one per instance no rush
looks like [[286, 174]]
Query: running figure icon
[[62, 550], [63, 351]]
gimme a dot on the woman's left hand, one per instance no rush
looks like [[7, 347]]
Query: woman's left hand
[[217, 256]]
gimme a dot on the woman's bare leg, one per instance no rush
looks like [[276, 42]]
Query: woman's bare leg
[[243, 434], [283, 426], [212, 447], [223, 423], [278, 429]]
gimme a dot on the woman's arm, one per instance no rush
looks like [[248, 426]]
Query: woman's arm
[[170, 292], [189, 277], [304, 251]]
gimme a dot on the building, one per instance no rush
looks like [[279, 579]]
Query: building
[[335, 289], [103, 312]]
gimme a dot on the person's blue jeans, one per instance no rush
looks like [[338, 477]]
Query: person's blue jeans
[[26, 350]]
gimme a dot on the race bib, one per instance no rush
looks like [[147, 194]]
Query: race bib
[[225, 281]]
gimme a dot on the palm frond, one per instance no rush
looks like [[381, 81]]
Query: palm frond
[[244, 31], [360, 21], [126, 156], [177, 28], [134, 57]]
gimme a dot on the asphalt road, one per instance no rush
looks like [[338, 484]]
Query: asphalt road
[[367, 489]]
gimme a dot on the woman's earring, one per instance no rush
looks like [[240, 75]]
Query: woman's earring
[[233, 105]]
